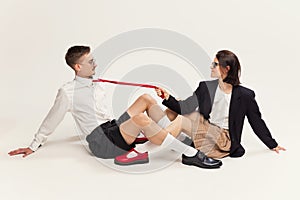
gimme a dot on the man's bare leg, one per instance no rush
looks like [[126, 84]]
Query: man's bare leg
[[132, 127], [147, 103], [142, 103]]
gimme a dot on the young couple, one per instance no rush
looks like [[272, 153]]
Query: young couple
[[213, 116]]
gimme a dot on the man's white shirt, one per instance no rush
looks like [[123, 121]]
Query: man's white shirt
[[85, 100]]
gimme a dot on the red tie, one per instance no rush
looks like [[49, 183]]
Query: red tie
[[127, 83]]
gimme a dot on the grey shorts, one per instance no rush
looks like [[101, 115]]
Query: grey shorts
[[106, 140]]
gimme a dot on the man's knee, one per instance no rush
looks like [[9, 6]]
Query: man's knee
[[148, 98], [141, 119]]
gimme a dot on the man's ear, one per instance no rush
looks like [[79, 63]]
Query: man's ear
[[77, 67]]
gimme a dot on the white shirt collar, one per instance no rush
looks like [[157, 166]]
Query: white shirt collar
[[84, 81]]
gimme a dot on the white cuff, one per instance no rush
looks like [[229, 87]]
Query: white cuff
[[34, 145]]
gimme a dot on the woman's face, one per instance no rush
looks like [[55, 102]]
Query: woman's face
[[215, 70]]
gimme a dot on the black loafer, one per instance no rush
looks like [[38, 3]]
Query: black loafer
[[202, 161]]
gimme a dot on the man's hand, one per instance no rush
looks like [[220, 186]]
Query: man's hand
[[278, 148], [24, 151]]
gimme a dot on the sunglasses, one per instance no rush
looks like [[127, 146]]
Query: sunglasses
[[214, 64]]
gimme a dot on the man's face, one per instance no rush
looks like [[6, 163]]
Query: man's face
[[86, 66]]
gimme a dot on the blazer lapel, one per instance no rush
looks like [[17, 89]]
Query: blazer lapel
[[212, 87]]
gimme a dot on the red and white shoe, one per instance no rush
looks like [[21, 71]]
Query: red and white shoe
[[132, 157]]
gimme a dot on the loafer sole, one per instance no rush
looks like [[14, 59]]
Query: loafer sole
[[132, 162], [201, 166]]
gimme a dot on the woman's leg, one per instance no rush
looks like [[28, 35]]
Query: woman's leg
[[131, 128], [147, 103], [171, 114], [187, 124]]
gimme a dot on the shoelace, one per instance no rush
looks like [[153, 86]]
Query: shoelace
[[130, 84]]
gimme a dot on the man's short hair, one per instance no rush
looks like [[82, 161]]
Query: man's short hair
[[74, 53]]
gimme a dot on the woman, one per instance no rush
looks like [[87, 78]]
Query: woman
[[214, 115]]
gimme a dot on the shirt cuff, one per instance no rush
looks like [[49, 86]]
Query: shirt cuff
[[34, 145]]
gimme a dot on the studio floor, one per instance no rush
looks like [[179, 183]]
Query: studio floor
[[64, 169], [35, 36]]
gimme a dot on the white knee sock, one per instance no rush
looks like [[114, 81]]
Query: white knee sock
[[177, 146], [148, 147], [181, 137], [165, 122], [174, 144]]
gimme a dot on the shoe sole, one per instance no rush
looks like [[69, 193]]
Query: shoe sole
[[132, 163], [202, 166]]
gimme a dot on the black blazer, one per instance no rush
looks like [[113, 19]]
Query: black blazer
[[242, 104]]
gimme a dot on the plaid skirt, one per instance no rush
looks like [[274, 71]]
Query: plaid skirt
[[210, 139]]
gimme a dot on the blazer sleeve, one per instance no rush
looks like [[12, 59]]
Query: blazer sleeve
[[184, 106], [257, 123]]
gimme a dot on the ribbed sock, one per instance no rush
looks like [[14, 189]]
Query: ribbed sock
[[174, 144]]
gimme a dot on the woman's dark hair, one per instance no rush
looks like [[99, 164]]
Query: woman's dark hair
[[227, 58], [74, 53]]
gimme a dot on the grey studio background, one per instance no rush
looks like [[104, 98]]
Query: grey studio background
[[34, 38]]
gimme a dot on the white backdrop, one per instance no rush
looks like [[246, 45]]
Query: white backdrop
[[34, 38]]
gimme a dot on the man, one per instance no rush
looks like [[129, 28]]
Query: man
[[108, 138]]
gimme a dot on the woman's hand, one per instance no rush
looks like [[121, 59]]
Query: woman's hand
[[162, 93], [278, 148]]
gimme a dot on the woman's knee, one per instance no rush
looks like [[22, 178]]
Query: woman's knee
[[171, 114]]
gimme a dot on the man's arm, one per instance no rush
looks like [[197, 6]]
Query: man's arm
[[53, 118]]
